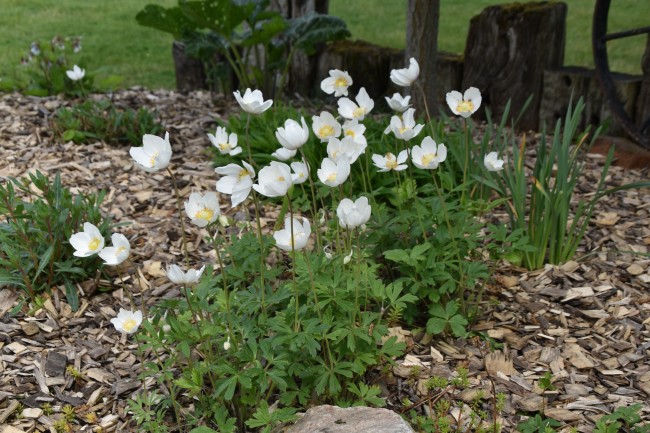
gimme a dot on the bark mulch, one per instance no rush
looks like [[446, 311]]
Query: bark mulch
[[587, 321]]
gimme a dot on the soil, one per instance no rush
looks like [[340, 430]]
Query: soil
[[587, 322]]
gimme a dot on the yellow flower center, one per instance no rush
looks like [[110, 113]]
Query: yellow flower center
[[331, 177], [120, 249], [224, 146], [391, 162], [325, 131], [465, 107], [152, 160], [350, 133], [280, 178], [129, 324], [94, 244], [243, 173], [340, 82], [402, 129], [359, 112], [427, 158], [205, 214]]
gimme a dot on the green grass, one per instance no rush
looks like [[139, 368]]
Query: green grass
[[114, 44]]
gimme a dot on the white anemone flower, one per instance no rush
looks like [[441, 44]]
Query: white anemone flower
[[405, 77], [300, 172], [293, 135], [350, 110], [76, 73], [337, 83], [389, 162], [227, 144], [117, 253], [177, 276], [203, 209], [300, 238], [284, 154], [464, 105], [127, 322], [334, 173], [429, 154], [274, 180], [325, 126], [398, 102], [492, 162], [354, 129], [405, 128], [353, 213], [237, 181], [88, 242], [253, 101], [154, 154], [347, 148]]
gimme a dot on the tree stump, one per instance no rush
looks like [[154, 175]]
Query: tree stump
[[508, 48], [369, 65], [190, 72], [562, 84]]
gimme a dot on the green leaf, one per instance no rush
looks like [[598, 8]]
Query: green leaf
[[71, 295], [311, 29], [44, 260], [436, 325], [169, 20]]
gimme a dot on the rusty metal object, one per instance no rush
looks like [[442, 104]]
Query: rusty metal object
[[639, 132]]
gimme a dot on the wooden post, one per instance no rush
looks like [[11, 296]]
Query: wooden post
[[643, 101], [422, 44]]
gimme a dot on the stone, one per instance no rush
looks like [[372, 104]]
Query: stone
[[332, 419]]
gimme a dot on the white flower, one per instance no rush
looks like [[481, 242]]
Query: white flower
[[226, 344], [405, 128], [237, 181], [325, 126], [127, 322], [301, 233], [347, 148], [334, 173], [300, 172], [354, 129], [353, 213], [154, 154], [389, 162], [203, 209], [347, 258], [76, 73], [398, 103], [284, 154], [274, 180], [337, 83], [429, 155], [226, 144], [252, 102], [119, 252], [177, 276], [492, 162], [350, 110], [88, 242], [293, 135], [464, 105], [405, 77]]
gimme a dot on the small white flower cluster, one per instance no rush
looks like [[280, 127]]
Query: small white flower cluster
[[90, 242]]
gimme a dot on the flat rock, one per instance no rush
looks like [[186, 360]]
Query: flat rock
[[55, 364], [332, 419]]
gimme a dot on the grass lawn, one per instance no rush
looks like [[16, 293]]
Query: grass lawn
[[114, 44]]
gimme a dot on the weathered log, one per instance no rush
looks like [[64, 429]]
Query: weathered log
[[562, 84], [508, 48], [190, 72], [369, 65]]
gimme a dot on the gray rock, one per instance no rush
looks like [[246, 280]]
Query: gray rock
[[332, 419]]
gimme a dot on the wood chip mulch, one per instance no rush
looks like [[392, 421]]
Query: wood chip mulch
[[587, 321]]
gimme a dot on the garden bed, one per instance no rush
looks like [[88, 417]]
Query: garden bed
[[587, 322]]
